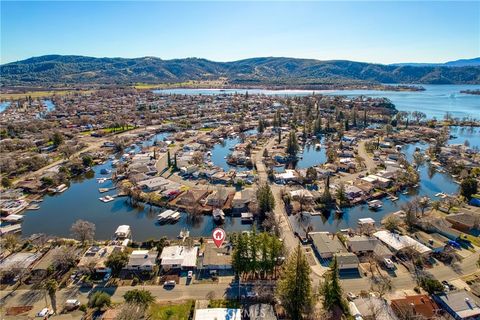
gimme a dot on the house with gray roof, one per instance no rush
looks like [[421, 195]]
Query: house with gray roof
[[326, 244]]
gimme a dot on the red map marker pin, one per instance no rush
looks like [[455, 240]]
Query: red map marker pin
[[218, 236]]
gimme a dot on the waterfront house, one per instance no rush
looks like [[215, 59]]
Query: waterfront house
[[420, 306], [154, 184], [217, 198], [242, 198], [361, 244], [434, 241], [460, 304], [398, 242], [96, 256], [326, 244], [465, 222], [216, 259], [179, 257], [142, 260]]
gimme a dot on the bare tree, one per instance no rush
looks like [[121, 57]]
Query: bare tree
[[131, 311], [84, 231]]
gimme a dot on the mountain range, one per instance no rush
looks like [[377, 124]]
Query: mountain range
[[62, 69]]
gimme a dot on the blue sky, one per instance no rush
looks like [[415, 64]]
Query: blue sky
[[381, 31]]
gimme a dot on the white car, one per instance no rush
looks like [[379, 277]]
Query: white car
[[45, 312], [351, 296], [190, 274], [389, 263], [169, 283]]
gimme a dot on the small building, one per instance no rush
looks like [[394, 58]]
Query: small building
[[361, 245], [460, 304], [398, 242], [142, 260], [421, 306], [372, 308], [215, 259], [326, 244], [465, 222], [96, 256], [179, 257], [19, 261], [347, 261], [242, 198]]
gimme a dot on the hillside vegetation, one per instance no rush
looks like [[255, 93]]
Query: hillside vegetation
[[57, 69]]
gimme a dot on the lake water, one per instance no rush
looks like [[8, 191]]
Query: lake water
[[431, 183], [58, 212], [4, 105], [435, 101], [80, 201]]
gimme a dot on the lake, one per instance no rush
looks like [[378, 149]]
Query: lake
[[435, 101], [80, 201]]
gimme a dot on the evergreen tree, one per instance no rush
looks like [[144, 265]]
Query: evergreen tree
[[279, 136], [265, 199], [175, 161], [331, 290], [354, 120], [261, 126], [169, 159], [292, 144], [294, 288], [365, 118], [346, 125]]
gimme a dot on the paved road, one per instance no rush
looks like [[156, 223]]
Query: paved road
[[290, 241]]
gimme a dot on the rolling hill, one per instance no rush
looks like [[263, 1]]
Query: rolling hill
[[58, 69]]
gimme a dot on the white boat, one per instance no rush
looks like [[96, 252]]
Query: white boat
[[168, 215], [184, 233], [61, 188], [375, 204], [101, 180], [318, 146], [106, 199], [174, 217], [123, 232], [218, 215]]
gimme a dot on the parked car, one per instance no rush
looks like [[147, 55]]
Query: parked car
[[389, 264], [190, 274], [71, 304], [169, 283], [351, 296], [44, 313]]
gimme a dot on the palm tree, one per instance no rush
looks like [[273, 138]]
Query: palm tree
[[51, 287]]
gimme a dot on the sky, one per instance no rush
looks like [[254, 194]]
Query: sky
[[379, 31]]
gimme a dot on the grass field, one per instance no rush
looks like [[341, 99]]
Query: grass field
[[40, 94], [171, 311]]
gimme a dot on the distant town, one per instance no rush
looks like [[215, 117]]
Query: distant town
[[334, 206]]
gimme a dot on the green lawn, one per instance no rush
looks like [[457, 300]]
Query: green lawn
[[171, 311]]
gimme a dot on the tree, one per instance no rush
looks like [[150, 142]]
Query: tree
[[87, 161], [341, 195], [292, 144], [116, 261], [141, 298], [169, 160], [99, 300], [311, 174], [83, 231], [332, 291], [294, 288], [468, 187], [10, 242], [391, 223], [265, 199], [57, 139], [51, 287], [6, 183], [64, 258], [130, 311]]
